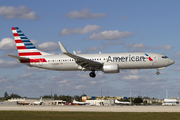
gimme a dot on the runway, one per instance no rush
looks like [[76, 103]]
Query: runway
[[92, 108]]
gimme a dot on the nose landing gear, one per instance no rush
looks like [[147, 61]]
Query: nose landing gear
[[92, 74]]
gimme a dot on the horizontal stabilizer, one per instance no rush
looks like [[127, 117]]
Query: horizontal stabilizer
[[17, 57]]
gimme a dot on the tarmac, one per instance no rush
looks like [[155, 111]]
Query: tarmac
[[90, 108]]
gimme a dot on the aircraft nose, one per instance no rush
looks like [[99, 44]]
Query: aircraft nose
[[171, 61]]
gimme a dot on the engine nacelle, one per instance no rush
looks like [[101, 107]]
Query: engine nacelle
[[110, 68]]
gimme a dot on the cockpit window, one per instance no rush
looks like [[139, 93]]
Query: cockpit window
[[164, 57]]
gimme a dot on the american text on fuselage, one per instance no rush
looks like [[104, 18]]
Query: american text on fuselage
[[126, 59]]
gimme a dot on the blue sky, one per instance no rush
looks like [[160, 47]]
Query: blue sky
[[89, 27]]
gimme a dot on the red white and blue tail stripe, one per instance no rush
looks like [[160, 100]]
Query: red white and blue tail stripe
[[24, 45]]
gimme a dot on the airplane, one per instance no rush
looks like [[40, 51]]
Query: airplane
[[123, 103], [80, 103], [106, 62], [38, 102]]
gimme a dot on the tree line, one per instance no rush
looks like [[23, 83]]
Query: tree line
[[7, 96], [55, 97], [67, 98]]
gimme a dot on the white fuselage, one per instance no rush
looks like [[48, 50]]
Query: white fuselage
[[80, 103], [121, 102], [107, 63], [123, 60]]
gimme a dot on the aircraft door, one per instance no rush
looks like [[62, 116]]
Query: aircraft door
[[154, 62], [40, 61]]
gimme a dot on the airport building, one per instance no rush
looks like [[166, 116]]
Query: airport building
[[152, 101], [84, 98], [33, 101], [100, 102], [92, 100], [171, 102]]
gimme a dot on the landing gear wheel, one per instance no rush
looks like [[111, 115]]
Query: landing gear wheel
[[157, 73], [92, 74]]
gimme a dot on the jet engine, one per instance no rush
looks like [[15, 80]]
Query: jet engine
[[110, 68]]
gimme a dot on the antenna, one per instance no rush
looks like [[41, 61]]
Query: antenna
[[51, 93], [101, 93], [107, 93]]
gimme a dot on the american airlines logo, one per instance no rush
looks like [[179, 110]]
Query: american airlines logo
[[129, 58], [150, 59]]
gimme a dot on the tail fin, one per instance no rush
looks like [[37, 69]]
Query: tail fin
[[24, 45], [41, 99], [74, 101]]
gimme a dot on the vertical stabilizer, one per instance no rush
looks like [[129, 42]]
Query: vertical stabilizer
[[24, 46]]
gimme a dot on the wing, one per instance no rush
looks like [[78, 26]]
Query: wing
[[83, 62]]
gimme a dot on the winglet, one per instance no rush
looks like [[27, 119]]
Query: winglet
[[63, 49]]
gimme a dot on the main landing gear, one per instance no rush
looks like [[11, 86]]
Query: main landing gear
[[157, 73], [92, 74]]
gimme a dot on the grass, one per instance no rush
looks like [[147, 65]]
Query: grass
[[49, 115]]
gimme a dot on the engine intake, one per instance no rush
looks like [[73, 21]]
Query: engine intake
[[110, 68]]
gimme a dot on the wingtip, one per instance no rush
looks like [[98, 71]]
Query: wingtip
[[63, 49]]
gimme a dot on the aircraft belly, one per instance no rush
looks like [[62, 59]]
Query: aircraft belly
[[70, 66], [136, 65], [130, 65], [44, 66], [65, 66]]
